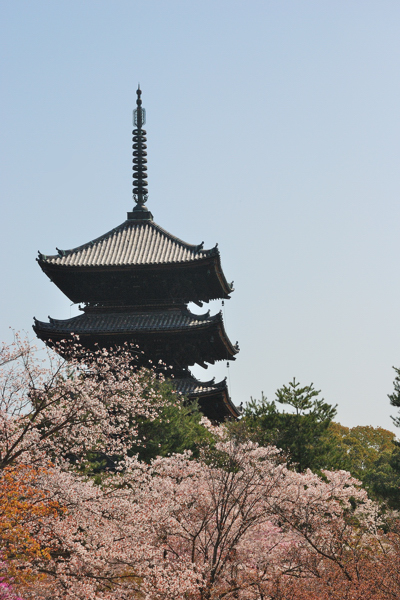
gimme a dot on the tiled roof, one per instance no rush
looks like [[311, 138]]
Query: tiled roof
[[129, 322], [191, 386], [207, 392], [131, 243]]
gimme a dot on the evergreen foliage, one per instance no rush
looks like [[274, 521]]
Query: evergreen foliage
[[177, 428], [372, 455], [302, 434], [310, 439], [395, 396]]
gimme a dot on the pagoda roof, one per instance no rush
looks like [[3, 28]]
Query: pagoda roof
[[126, 322], [175, 336], [190, 386], [138, 263], [132, 243], [214, 399]]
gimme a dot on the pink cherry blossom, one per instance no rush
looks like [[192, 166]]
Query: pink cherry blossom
[[234, 524]]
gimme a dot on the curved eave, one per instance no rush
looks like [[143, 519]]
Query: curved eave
[[48, 267], [213, 398], [219, 407], [227, 287], [231, 348], [88, 283], [96, 326], [47, 264]]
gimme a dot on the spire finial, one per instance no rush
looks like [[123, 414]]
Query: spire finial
[[140, 191]]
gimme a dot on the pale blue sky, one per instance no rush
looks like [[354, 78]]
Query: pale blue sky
[[273, 129]]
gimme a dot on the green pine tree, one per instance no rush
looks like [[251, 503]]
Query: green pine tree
[[301, 433]]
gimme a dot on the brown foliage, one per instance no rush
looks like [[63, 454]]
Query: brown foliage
[[23, 507]]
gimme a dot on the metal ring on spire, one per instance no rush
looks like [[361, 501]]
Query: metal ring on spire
[[140, 191]]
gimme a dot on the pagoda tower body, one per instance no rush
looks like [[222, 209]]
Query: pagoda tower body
[[134, 284]]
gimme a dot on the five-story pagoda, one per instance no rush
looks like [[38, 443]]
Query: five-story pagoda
[[134, 284]]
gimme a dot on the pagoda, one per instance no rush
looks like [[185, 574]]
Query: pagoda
[[134, 284]]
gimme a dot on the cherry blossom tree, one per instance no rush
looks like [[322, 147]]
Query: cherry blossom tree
[[234, 524], [6, 589], [57, 408], [246, 521]]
